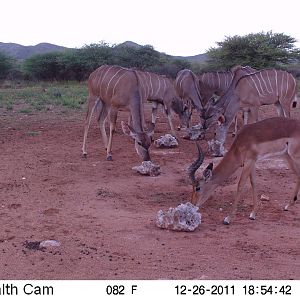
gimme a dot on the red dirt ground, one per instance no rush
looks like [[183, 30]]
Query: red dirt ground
[[103, 213]]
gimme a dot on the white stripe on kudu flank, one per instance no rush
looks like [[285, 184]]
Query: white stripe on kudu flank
[[263, 79], [150, 84], [282, 77], [107, 87], [219, 80], [276, 88], [100, 86], [165, 86], [287, 86], [113, 92], [261, 87], [251, 77], [271, 87], [158, 88]]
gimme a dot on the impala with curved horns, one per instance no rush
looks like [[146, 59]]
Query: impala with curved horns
[[278, 136]]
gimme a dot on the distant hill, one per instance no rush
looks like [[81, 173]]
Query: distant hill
[[22, 52], [195, 58], [129, 44]]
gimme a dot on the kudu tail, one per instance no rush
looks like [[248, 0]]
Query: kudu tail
[[295, 101]]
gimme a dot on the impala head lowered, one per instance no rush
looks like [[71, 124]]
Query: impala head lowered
[[199, 183], [142, 140]]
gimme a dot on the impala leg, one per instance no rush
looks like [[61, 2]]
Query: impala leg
[[92, 104], [113, 119], [254, 194], [296, 168], [241, 185]]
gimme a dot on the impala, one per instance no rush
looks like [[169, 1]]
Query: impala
[[276, 136]]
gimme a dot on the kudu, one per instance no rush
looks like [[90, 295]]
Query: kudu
[[214, 83], [277, 136], [112, 88], [187, 87], [160, 90], [250, 91]]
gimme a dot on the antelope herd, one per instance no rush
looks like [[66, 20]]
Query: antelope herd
[[216, 98]]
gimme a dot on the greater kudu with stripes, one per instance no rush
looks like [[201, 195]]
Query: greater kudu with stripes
[[160, 90], [187, 87], [112, 88], [214, 83], [249, 92]]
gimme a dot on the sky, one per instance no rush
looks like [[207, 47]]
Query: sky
[[185, 27]]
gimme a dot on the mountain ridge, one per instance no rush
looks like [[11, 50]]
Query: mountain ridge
[[21, 52]]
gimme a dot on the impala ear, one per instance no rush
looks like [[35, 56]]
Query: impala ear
[[221, 119], [207, 173]]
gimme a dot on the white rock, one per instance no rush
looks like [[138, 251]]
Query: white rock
[[148, 168], [216, 148], [194, 133], [49, 243], [264, 197], [185, 217], [166, 141]]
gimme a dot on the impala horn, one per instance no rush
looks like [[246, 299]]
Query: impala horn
[[196, 164]]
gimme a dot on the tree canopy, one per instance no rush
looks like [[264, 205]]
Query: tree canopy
[[6, 65], [258, 50]]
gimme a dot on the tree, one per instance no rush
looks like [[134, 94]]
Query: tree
[[258, 50], [44, 66], [6, 65]]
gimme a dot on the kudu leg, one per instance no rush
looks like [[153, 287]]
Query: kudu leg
[[154, 112], [92, 104], [169, 116], [113, 119], [247, 170], [102, 115]]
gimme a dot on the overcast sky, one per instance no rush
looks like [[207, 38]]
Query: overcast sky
[[185, 27]]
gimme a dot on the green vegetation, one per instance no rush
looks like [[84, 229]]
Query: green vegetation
[[260, 50], [53, 79], [77, 64], [43, 96]]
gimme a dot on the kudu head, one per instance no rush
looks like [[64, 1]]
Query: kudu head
[[211, 114], [182, 110], [142, 140], [198, 183]]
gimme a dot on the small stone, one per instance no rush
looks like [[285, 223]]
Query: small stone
[[194, 133], [148, 168], [49, 243], [216, 148], [185, 217], [264, 197], [166, 141]]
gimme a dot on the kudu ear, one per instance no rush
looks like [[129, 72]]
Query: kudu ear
[[207, 173], [128, 130]]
